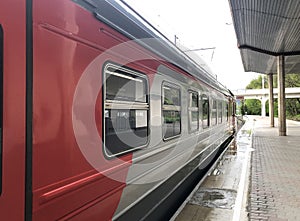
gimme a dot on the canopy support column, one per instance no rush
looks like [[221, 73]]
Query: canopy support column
[[271, 100], [281, 95]]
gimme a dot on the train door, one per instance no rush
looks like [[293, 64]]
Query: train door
[[12, 109]]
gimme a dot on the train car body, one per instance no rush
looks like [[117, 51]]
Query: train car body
[[101, 117]]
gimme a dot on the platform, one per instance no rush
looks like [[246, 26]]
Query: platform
[[275, 174], [257, 179]]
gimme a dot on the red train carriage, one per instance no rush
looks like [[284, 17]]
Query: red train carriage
[[100, 115]]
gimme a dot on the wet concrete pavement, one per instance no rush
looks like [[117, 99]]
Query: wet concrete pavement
[[261, 173], [222, 193]]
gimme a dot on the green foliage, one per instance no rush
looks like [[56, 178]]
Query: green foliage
[[292, 107], [297, 117], [292, 80], [243, 108], [257, 83], [253, 106], [275, 108]]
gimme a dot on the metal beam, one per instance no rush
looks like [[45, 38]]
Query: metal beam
[[272, 53], [281, 96]]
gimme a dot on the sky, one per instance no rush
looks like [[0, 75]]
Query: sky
[[200, 24]]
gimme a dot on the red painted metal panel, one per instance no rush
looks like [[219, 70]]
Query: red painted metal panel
[[65, 184], [12, 20]]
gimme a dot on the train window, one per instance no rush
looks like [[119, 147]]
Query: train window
[[214, 113], [171, 110], [126, 110], [1, 103], [205, 111], [193, 111], [227, 111], [220, 112]]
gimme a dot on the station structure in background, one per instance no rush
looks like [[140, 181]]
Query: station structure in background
[[268, 34]]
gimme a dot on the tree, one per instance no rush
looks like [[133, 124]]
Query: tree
[[275, 107], [257, 83], [253, 106], [292, 104], [243, 107], [292, 80]]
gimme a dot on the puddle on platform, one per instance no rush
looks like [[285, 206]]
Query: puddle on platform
[[244, 138], [240, 142], [214, 198], [225, 198]]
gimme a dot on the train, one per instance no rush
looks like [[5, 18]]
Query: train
[[101, 116]]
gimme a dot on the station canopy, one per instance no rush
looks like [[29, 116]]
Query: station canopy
[[266, 29]]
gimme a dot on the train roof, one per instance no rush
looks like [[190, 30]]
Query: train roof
[[120, 16]]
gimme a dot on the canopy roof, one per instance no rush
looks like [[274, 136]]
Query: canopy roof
[[266, 29]]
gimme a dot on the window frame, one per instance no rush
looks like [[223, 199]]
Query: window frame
[[208, 111], [214, 113], [220, 111], [226, 110], [192, 109], [170, 107], [115, 104]]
